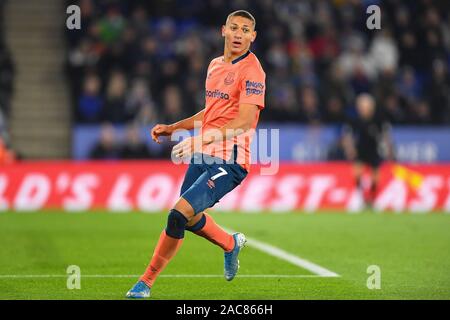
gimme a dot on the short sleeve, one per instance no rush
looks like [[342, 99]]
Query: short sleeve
[[253, 86]]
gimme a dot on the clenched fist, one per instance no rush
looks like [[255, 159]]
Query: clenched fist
[[160, 130]]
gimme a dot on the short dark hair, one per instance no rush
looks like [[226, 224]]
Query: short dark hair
[[242, 13]]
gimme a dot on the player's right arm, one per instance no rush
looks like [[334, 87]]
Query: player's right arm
[[167, 129]]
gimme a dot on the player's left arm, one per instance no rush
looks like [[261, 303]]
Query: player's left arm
[[239, 125]]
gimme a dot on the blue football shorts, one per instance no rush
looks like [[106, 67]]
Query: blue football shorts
[[208, 179]]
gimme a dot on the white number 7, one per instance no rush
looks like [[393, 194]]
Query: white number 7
[[221, 173]]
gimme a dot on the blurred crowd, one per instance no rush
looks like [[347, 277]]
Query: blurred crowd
[[6, 91], [145, 61], [138, 62], [130, 145]]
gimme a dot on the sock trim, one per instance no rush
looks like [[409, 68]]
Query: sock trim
[[199, 225]]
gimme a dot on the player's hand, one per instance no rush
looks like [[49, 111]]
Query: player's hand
[[187, 147], [160, 130]]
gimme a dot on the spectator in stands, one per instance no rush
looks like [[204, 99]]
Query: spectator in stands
[[134, 147], [439, 93], [393, 109], [111, 26], [283, 101], [90, 104], [138, 98], [336, 85], [114, 110], [309, 44], [354, 61], [409, 49], [107, 147], [146, 116], [408, 85], [310, 111], [7, 153], [172, 105], [335, 112], [6, 77], [80, 58], [421, 113], [386, 85], [7, 156], [383, 51], [3, 128]]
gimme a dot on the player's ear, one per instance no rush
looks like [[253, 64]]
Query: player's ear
[[254, 36], [223, 31]]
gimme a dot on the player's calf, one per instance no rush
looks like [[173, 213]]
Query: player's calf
[[169, 242]]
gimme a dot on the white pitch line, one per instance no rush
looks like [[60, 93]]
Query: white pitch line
[[319, 272], [28, 276], [289, 257]]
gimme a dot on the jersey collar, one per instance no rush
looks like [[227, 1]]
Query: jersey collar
[[241, 57]]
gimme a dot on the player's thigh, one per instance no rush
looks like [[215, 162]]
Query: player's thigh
[[199, 195], [224, 178], [193, 172], [213, 185]]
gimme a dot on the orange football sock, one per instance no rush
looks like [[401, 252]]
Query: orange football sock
[[214, 233], [165, 250]]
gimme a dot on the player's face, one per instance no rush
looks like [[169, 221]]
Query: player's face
[[365, 108], [239, 33]]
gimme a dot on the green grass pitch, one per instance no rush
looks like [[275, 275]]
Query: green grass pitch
[[412, 251]]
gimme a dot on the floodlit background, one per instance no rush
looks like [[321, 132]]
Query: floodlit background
[[76, 107]]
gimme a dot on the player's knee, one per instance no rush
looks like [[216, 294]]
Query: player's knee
[[176, 224]]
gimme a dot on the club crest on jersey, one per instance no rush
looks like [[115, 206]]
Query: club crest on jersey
[[229, 79]]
